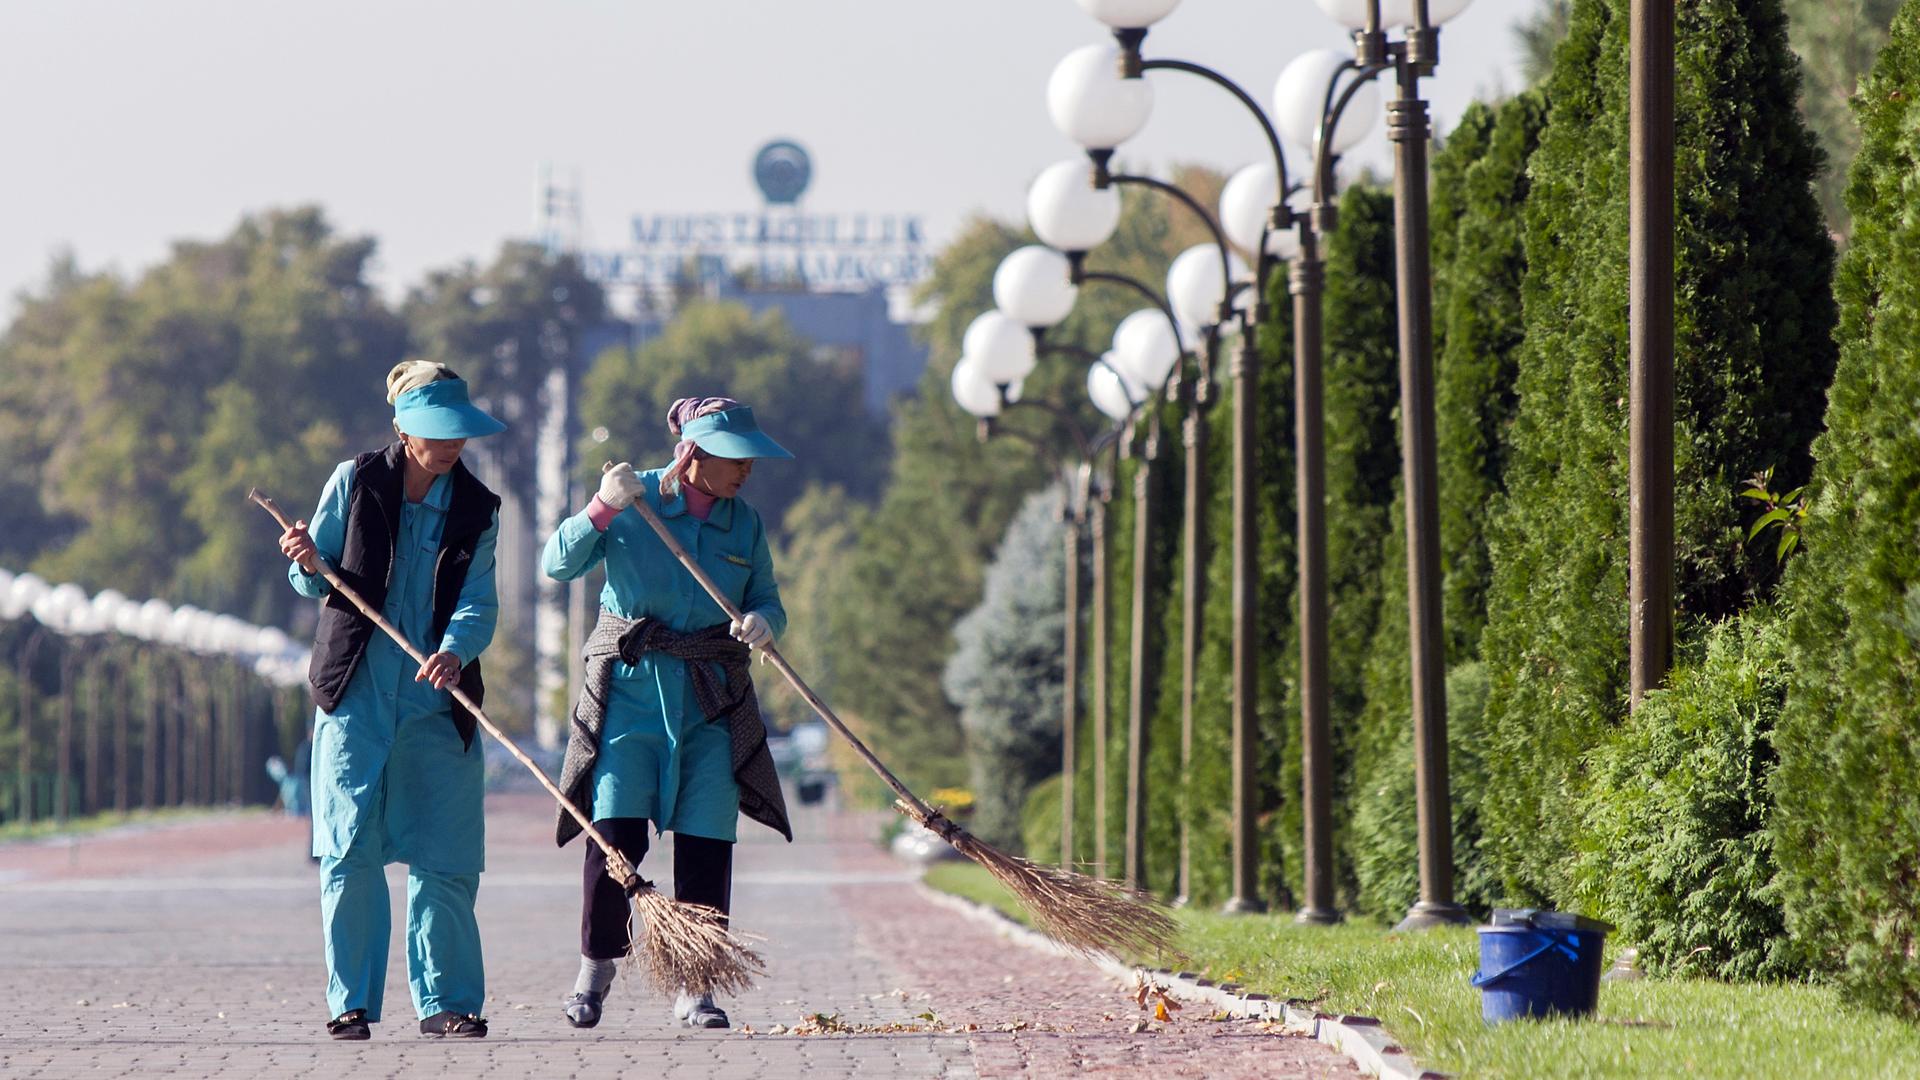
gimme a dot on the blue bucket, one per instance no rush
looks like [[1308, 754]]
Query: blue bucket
[[1539, 963]]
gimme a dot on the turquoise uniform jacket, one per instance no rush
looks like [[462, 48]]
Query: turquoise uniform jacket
[[390, 751], [659, 757]]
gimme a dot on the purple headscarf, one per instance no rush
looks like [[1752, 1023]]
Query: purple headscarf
[[679, 415]]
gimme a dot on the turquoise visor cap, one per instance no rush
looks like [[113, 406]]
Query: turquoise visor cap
[[442, 410], [732, 434]]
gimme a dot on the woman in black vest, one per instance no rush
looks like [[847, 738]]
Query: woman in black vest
[[397, 776]]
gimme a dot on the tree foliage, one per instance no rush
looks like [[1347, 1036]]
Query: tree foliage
[[1538, 35], [1849, 742], [1837, 41], [813, 408], [503, 327], [142, 411], [1753, 354], [1675, 848], [1004, 675]]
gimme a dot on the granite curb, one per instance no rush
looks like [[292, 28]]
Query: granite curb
[[1362, 1038]]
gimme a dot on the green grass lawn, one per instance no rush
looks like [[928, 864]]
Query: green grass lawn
[[80, 826], [1417, 985]]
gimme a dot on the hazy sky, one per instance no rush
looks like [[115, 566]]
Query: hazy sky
[[128, 124]]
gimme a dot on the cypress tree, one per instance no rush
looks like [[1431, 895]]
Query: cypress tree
[[1849, 741], [1753, 352]]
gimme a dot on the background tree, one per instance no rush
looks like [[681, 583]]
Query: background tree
[[814, 407], [1849, 756], [1754, 353], [503, 327], [1537, 35], [148, 408], [1004, 676], [1837, 41]]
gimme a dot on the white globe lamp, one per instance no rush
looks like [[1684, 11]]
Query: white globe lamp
[[1301, 92], [1092, 103], [1000, 348], [1034, 286], [973, 391], [1128, 14], [1067, 212], [1195, 286], [1145, 348]]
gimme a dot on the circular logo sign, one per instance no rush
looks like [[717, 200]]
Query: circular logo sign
[[782, 170]]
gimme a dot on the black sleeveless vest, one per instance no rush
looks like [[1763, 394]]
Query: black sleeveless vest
[[366, 565]]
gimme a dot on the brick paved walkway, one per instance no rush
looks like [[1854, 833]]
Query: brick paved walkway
[[193, 950]]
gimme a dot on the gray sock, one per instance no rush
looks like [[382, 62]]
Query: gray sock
[[595, 975]]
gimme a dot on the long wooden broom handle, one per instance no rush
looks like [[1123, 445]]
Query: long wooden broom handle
[[614, 858], [773, 655]]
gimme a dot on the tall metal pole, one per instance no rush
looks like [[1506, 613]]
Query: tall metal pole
[[1141, 682], [1102, 635], [24, 810], [122, 744], [1244, 370], [95, 751], [63, 752], [1409, 129], [1073, 515], [1650, 351], [150, 740], [1306, 280], [1192, 605]]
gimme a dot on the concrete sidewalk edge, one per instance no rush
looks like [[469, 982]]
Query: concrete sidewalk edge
[[1362, 1038]]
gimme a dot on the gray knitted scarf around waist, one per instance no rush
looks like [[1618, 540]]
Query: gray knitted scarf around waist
[[724, 695]]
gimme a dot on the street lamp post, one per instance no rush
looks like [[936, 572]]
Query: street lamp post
[[24, 679], [1310, 102], [1650, 358], [1408, 127]]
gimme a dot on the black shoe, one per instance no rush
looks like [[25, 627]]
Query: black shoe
[[453, 1025], [583, 1008], [350, 1025]]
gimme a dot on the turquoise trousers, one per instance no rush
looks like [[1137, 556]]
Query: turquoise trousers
[[444, 967]]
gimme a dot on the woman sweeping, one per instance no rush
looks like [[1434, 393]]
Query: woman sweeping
[[667, 732], [396, 774]]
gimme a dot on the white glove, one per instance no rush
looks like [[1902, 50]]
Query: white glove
[[618, 485], [752, 630]]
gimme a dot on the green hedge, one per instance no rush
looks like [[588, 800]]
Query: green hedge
[[1849, 779], [1676, 850], [1753, 349], [1477, 302], [1385, 849]]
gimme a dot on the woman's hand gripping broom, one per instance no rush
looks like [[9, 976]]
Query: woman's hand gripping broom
[[1081, 912], [686, 947]]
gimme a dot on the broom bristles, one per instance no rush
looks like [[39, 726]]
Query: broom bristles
[[1083, 913], [687, 948]]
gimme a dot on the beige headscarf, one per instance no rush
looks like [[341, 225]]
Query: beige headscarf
[[414, 374]]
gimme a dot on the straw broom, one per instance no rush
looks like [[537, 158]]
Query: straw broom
[[686, 946], [1083, 913]]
